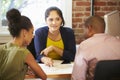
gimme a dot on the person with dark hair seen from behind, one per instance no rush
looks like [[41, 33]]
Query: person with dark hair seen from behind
[[14, 56], [54, 41], [97, 46]]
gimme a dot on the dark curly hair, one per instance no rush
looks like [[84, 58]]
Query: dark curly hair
[[16, 22]]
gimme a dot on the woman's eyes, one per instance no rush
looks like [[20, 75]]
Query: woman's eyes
[[50, 19], [57, 19]]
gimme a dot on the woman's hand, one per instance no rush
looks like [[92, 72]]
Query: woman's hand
[[30, 73], [48, 61], [47, 50]]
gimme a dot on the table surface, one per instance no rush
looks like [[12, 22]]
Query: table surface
[[58, 70]]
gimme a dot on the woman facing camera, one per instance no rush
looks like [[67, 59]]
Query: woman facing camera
[[54, 41]]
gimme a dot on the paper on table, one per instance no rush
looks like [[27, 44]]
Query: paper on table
[[58, 68]]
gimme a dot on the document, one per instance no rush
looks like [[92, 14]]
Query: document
[[57, 68]]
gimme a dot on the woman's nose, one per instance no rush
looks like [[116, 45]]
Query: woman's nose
[[53, 22]]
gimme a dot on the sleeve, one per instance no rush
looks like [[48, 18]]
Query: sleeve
[[39, 43], [25, 51], [79, 68], [1, 47], [69, 45]]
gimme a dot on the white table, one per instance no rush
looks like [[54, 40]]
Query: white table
[[58, 70]]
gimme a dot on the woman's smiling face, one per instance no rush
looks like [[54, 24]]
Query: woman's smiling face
[[53, 21]]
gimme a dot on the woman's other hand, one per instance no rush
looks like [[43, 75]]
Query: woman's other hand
[[47, 61]]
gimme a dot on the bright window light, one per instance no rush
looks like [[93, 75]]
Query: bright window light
[[35, 9]]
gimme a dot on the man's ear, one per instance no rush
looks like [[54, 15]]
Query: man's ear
[[90, 30]]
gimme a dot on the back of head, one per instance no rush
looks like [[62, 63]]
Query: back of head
[[16, 22], [97, 23]]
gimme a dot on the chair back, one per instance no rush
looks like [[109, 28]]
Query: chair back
[[107, 70]]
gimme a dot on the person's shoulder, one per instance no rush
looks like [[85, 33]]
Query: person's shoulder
[[25, 51], [5, 45], [42, 29], [66, 29], [2, 46]]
